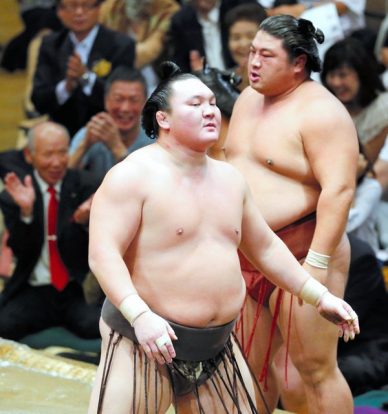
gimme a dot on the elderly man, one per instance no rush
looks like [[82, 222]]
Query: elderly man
[[110, 136], [47, 219]]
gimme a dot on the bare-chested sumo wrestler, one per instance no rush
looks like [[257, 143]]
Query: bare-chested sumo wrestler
[[165, 227]]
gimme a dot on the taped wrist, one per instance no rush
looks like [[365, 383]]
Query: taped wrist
[[312, 291], [317, 259], [132, 307]]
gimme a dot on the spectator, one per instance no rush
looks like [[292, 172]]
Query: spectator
[[52, 260], [73, 64], [199, 27], [110, 136], [145, 20], [351, 74]]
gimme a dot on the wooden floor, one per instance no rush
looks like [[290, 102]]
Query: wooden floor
[[12, 85]]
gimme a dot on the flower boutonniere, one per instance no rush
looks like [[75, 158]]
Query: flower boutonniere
[[102, 68]]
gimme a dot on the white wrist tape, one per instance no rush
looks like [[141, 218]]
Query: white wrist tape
[[317, 259], [312, 291], [132, 307]]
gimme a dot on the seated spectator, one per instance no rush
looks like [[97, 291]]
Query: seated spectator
[[73, 64], [351, 74], [110, 136], [147, 21], [364, 361], [51, 258], [36, 15], [199, 26]]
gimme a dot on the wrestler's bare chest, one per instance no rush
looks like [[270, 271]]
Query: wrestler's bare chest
[[204, 209], [267, 147]]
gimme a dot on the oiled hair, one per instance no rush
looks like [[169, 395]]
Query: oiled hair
[[160, 97], [299, 37]]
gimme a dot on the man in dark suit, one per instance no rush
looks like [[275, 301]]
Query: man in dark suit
[[199, 27], [45, 288], [73, 64]]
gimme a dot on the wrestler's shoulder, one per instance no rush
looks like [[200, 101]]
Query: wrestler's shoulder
[[314, 97], [227, 171], [248, 95], [136, 165]]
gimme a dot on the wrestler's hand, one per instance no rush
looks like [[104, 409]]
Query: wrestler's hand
[[339, 312], [150, 330]]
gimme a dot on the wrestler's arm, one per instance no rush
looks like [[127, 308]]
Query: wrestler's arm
[[330, 142], [114, 221], [267, 252]]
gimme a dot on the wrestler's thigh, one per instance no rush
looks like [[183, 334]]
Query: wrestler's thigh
[[312, 336], [213, 394], [133, 382]]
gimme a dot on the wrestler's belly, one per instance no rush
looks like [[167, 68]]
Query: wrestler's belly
[[281, 199], [199, 288]]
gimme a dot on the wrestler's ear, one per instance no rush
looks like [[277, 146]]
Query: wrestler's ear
[[162, 120], [300, 63]]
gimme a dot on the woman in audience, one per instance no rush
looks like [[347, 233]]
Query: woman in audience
[[351, 74]]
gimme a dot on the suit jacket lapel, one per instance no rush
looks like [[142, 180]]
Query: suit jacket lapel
[[67, 201], [98, 48], [39, 210], [65, 50]]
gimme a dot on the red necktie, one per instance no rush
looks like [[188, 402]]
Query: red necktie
[[59, 275]]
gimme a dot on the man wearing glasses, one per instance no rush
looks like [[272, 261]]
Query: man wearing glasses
[[73, 64]]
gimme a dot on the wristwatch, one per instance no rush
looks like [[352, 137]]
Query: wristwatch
[[85, 78]]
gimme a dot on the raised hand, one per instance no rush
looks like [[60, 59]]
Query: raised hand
[[23, 193], [103, 128], [82, 214], [75, 69]]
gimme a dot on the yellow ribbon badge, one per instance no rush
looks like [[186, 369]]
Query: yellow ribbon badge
[[102, 68]]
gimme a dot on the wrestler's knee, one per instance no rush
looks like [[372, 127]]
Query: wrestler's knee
[[314, 369]]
